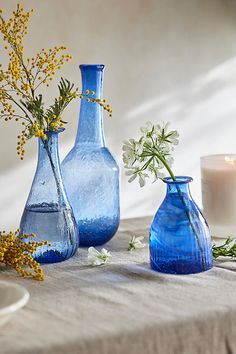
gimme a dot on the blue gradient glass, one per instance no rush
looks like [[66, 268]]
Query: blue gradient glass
[[180, 242], [48, 213], [90, 172]]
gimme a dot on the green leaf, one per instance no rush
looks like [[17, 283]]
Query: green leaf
[[66, 95], [227, 249], [35, 107]]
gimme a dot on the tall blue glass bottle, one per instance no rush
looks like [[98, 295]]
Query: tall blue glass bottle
[[48, 213], [90, 172], [180, 242]]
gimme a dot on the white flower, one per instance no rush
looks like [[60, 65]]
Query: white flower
[[129, 153], [138, 148], [174, 137], [155, 170], [135, 172], [147, 128], [142, 177], [132, 173], [165, 138], [136, 242], [169, 160], [96, 258], [132, 151]]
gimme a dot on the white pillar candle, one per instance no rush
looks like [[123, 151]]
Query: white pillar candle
[[219, 193]]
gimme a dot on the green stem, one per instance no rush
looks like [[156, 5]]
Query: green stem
[[146, 164], [58, 187], [163, 160], [45, 143], [16, 103]]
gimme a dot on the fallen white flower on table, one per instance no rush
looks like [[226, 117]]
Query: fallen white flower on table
[[136, 242], [96, 258]]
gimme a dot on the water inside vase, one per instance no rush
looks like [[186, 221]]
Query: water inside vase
[[47, 219]]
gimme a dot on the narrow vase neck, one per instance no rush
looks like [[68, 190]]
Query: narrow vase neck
[[48, 173], [48, 157], [181, 185], [90, 128], [50, 145]]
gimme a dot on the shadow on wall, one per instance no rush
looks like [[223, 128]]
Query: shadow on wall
[[204, 114], [212, 94]]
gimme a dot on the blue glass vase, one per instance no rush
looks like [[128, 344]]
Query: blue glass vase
[[89, 170], [48, 213], [180, 242]]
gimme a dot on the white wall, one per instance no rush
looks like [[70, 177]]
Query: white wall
[[169, 60]]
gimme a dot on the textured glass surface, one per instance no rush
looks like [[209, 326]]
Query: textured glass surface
[[48, 213], [90, 173], [179, 236]]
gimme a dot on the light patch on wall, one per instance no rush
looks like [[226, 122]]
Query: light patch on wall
[[204, 114]]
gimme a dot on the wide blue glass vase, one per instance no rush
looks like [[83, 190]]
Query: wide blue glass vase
[[90, 172], [48, 213], [180, 242]]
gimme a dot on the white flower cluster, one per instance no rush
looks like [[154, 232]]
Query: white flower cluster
[[151, 153]]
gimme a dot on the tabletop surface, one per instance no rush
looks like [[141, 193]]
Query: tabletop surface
[[124, 306]]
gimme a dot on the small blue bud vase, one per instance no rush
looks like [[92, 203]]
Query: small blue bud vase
[[90, 172], [180, 241], [48, 213]]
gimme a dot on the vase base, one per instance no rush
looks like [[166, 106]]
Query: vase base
[[179, 267], [96, 232], [48, 255]]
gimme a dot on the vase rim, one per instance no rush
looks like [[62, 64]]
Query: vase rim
[[92, 66], [179, 180], [60, 130]]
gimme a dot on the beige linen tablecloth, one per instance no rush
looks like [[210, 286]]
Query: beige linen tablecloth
[[124, 307]]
